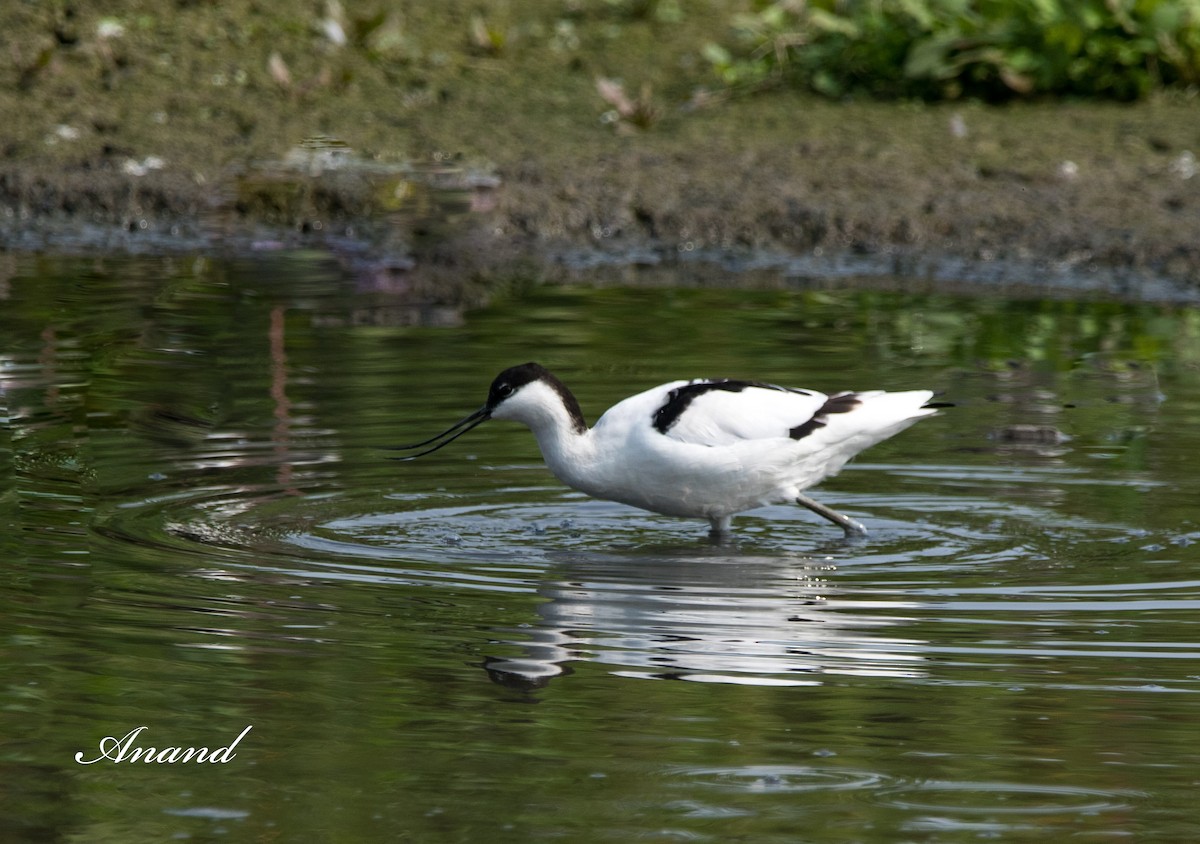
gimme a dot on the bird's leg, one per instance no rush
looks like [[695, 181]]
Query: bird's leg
[[719, 526], [852, 528]]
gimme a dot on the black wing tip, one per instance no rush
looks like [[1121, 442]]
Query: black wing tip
[[841, 403]]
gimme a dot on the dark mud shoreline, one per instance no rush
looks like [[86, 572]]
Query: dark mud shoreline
[[507, 167]]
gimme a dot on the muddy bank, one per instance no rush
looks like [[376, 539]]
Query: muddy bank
[[155, 134]]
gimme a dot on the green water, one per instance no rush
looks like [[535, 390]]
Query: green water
[[201, 533]]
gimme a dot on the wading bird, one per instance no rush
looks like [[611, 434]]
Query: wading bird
[[700, 449]]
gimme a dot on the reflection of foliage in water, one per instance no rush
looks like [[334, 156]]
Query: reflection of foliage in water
[[166, 396], [124, 367]]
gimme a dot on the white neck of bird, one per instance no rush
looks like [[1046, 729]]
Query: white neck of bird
[[563, 437]]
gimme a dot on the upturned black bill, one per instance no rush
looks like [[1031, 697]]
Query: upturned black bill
[[444, 438]]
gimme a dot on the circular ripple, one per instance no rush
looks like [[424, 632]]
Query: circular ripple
[[784, 602], [507, 524], [782, 779], [1001, 798]]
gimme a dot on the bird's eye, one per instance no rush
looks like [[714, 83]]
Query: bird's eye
[[504, 390]]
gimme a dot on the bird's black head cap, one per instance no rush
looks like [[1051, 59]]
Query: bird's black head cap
[[515, 377]]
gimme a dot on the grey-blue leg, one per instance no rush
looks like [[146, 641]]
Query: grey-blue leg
[[851, 527], [719, 525]]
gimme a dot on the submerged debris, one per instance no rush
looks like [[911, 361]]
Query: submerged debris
[[1031, 435]]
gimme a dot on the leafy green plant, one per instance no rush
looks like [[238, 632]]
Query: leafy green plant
[[994, 49]]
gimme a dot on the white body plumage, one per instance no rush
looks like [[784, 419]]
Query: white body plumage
[[703, 448]]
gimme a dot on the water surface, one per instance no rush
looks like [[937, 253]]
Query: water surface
[[201, 533]]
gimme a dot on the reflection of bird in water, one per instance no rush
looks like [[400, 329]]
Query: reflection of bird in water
[[702, 448], [744, 619]]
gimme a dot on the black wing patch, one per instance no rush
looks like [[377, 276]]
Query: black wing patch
[[679, 398], [841, 403]]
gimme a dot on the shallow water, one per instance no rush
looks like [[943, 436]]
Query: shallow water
[[202, 534]]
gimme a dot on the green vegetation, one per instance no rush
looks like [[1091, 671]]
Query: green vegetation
[[605, 125], [992, 49]]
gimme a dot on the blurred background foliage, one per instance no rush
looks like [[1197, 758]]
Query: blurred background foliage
[[144, 113], [102, 80], [992, 49]]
